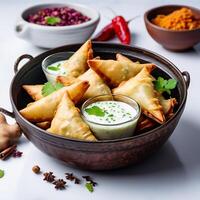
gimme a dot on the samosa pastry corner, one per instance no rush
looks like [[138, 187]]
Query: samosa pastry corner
[[68, 122]]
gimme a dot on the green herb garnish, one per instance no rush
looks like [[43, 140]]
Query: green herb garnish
[[53, 68], [1, 173], [89, 186], [52, 20], [49, 88], [162, 85], [95, 110]]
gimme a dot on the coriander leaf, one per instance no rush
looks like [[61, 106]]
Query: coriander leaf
[[162, 85], [89, 186], [1, 173], [95, 110], [52, 20], [49, 88], [171, 84], [58, 86], [53, 68]]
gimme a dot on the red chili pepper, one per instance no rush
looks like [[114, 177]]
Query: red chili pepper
[[121, 29], [107, 33]]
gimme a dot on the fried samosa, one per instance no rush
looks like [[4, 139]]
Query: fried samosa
[[114, 72], [136, 65], [97, 85], [141, 89], [145, 123], [168, 109], [77, 63], [68, 122], [35, 91], [44, 125], [167, 104], [44, 109], [66, 80]]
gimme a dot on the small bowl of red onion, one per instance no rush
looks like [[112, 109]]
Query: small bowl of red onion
[[53, 25]]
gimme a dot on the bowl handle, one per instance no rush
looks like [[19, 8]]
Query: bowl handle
[[186, 75], [22, 30], [24, 56], [6, 112]]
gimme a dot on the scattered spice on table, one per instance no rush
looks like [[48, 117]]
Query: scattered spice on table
[[179, 20], [49, 177], [7, 152], [89, 186], [36, 169], [89, 179], [17, 154], [1, 173], [60, 184], [71, 177]]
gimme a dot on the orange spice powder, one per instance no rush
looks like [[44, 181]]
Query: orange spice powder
[[182, 19]]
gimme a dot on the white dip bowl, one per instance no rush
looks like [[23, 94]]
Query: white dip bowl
[[54, 36]]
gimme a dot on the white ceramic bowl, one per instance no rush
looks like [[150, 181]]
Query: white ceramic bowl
[[54, 36]]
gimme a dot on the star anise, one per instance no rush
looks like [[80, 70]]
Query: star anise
[[89, 179], [71, 177], [77, 181], [59, 184], [49, 177], [93, 183]]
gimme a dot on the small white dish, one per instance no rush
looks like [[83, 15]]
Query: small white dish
[[54, 36], [113, 130], [51, 59]]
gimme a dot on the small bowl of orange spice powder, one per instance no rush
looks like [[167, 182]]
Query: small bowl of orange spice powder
[[175, 27]]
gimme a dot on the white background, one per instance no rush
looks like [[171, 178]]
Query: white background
[[172, 173]]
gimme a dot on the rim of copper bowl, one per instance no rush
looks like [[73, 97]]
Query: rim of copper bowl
[[146, 19], [115, 140]]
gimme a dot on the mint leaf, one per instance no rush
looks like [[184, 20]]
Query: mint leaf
[[52, 20], [1, 173], [89, 186], [49, 88], [53, 68], [95, 110], [162, 85]]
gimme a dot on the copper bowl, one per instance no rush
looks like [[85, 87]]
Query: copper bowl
[[170, 39], [100, 155]]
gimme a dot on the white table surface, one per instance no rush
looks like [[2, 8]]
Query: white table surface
[[172, 173]]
